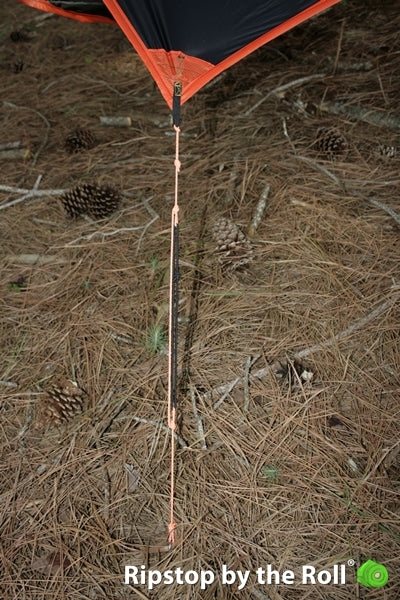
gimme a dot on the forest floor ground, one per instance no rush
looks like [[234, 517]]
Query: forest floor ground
[[287, 447]]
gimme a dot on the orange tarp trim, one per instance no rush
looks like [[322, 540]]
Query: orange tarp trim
[[167, 67], [47, 7]]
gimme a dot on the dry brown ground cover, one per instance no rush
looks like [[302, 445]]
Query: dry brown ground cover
[[271, 469]]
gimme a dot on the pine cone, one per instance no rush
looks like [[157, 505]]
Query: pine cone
[[75, 202], [62, 403], [330, 141], [19, 35], [79, 139], [388, 151], [234, 249], [104, 200], [98, 201]]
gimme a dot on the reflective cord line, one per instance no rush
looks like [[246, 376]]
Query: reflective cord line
[[173, 293], [172, 523], [173, 335]]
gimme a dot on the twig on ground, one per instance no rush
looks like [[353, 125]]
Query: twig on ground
[[104, 235], [28, 421], [10, 146], [322, 169], [230, 188], [259, 210], [35, 259], [390, 455], [27, 194], [345, 187], [287, 136], [105, 401], [107, 234], [357, 67], [346, 332], [152, 213], [199, 421], [100, 427], [14, 150], [227, 387], [6, 383], [43, 222], [122, 338], [105, 473], [40, 18], [36, 112], [391, 452], [116, 121], [339, 47], [34, 191], [280, 90], [340, 183], [37, 182], [217, 79], [395, 216], [359, 113]]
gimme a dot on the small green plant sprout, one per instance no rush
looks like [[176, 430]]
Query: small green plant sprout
[[154, 263], [155, 338], [158, 271], [17, 286], [12, 286], [270, 472]]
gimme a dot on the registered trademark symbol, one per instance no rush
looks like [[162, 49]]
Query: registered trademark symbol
[[351, 562]]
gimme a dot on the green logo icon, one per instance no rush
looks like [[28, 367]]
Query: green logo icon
[[372, 574]]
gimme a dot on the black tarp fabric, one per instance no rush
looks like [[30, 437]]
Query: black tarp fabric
[[207, 29], [89, 7], [191, 41]]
